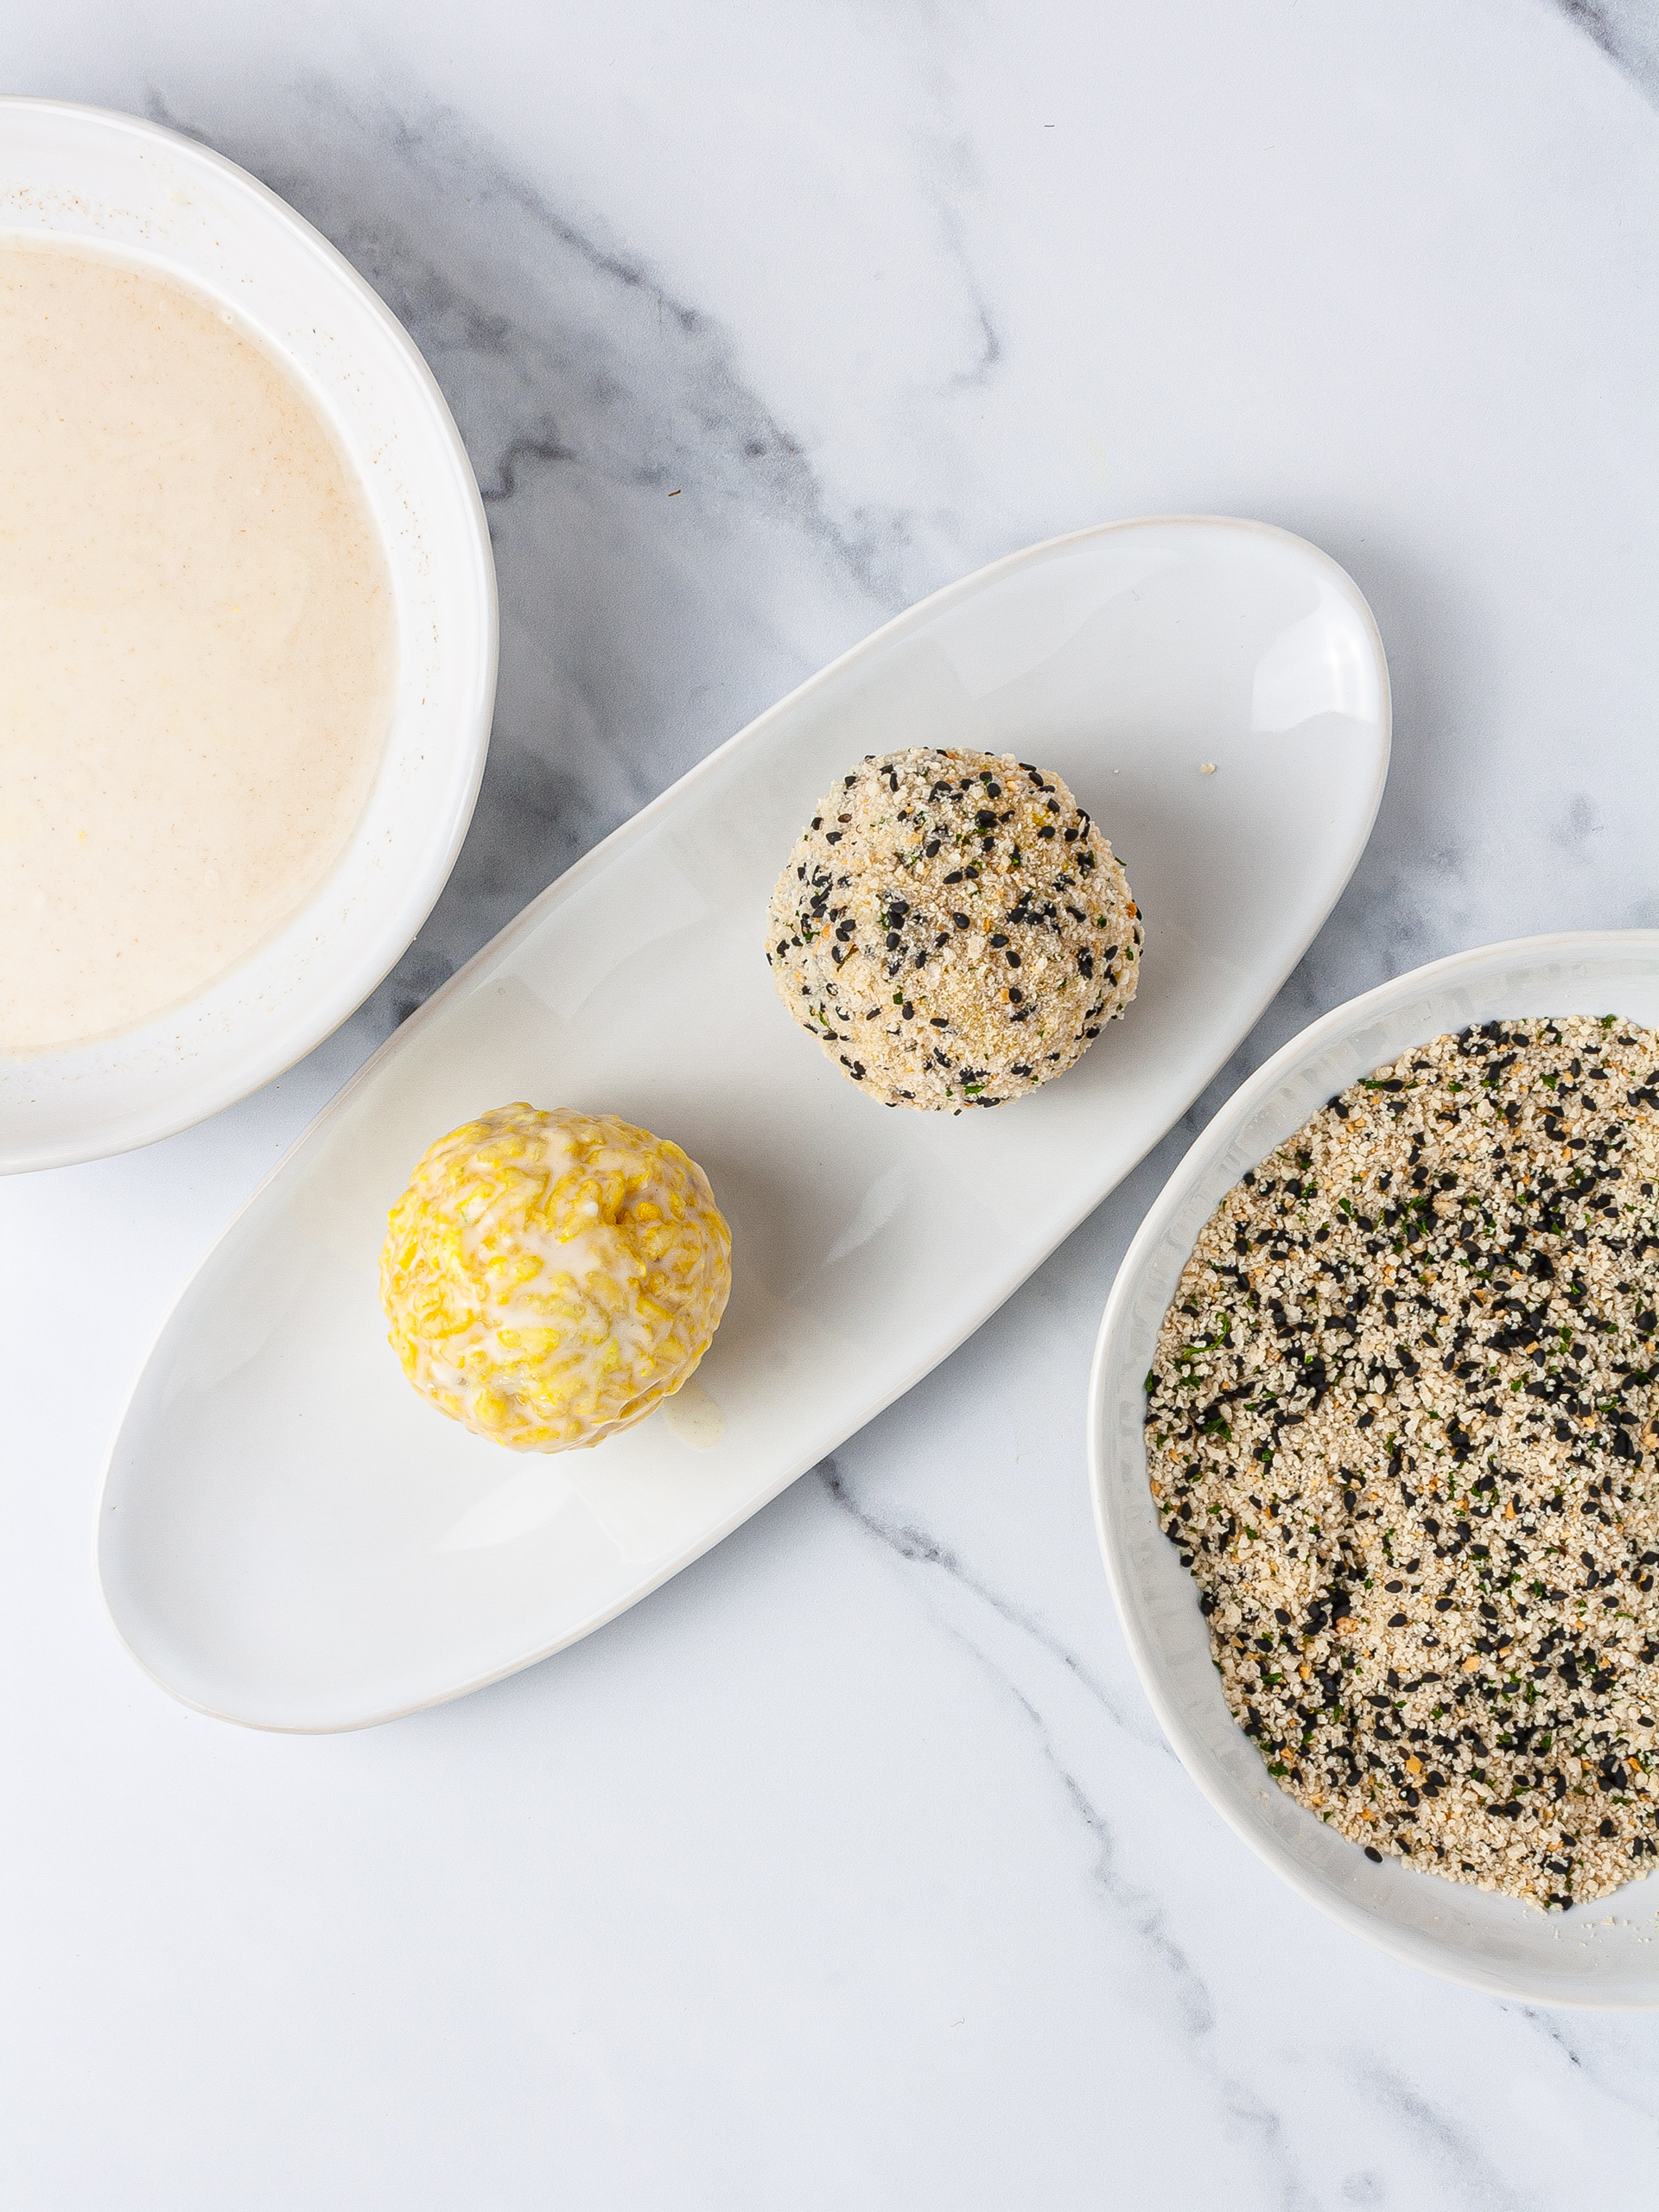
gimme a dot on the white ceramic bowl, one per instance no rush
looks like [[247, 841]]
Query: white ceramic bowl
[[1601, 1954], [160, 201]]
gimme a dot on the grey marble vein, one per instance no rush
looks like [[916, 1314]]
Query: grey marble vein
[[913, 1544], [1619, 2059], [386, 182], [1627, 31], [1452, 2150], [1176, 1987], [1144, 1912]]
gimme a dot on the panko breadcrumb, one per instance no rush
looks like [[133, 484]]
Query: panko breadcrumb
[[549, 1277], [1401, 1425], [952, 928]]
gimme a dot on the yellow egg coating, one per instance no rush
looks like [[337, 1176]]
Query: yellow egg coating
[[550, 1277]]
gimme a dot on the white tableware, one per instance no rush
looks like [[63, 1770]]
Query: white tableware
[[290, 1537], [129, 189], [1603, 1955]]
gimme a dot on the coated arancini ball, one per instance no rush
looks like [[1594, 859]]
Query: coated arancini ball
[[551, 1276], [952, 928]]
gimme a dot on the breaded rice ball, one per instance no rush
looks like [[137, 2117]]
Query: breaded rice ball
[[952, 928], [551, 1276]]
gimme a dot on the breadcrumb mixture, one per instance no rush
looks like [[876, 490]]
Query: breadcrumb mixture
[[952, 928], [1401, 1425]]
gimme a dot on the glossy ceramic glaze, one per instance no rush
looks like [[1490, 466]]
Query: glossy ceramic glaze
[[159, 202], [291, 1538], [1603, 1955]]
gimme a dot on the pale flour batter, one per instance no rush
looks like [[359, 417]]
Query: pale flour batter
[[197, 644]]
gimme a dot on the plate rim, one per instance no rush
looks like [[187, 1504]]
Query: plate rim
[[566, 885], [132, 1129], [1420, 1953]]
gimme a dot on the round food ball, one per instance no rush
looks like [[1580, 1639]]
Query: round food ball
[[550, 1277], [952, 928]]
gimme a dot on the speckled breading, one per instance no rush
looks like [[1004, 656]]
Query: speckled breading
[[1400, 1423], [550, 1277], [952, 928]]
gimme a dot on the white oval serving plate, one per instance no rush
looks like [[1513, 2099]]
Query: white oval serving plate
[[133, 191], [289, 1537], [1601, 1954]]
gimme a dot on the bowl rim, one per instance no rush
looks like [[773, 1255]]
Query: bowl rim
[[351, 981], [1424, 1953]]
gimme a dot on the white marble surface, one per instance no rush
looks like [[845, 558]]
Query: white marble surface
[[851, 1869]]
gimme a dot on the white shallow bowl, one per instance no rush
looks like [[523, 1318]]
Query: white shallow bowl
[[130, 189], [290, 1537], [1605, 1955]]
